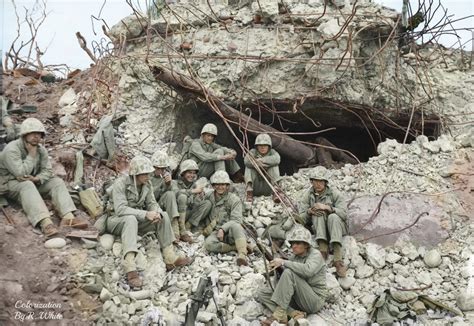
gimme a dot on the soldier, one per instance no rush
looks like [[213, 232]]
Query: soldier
[[212, 157], [26, 174], [134, 211], [164, 189], [324, 208], [8, 130], [192, 207], [268, 160], [224, 232], [301, 288]]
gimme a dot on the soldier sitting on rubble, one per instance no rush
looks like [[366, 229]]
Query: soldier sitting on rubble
[[26, 174], [212, 157], [191, 206], [134, 210], [8, 130], [301, 288], [267, 159], [223, 229], [164, 189]]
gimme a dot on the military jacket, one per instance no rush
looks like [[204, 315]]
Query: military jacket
[[15, 162], [271, 159], [129, 199], [160, 186], [225, 209], [199, 151], [311, 268], [329, 197]]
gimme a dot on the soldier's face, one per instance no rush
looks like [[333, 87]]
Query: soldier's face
[[143, 178], [220, 188], [299, 247], [190, 176], [159, 172], [208, 138], [263, 149], [34, 138], [318, 185]]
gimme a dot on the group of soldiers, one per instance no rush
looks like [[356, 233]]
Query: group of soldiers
[[148, 199]]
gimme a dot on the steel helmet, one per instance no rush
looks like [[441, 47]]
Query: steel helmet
[[209, 128], [319, 173], [220, 177], [188, 165], [160, 160], [263, 139], [31, 125], [140, 165], [299, 233]]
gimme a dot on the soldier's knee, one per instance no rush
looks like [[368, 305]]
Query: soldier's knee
[[287, 274], [27, 185], [182, 199], [219, 151], [129, 220], [56, 182], [164, 217], [333, 218], [210, 244]]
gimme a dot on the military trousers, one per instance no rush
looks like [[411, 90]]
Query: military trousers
[[207, 169], [29, 195], [199, 212], [330, 228], [128, 228], [167, 201], [259, 185], [235, 232], [292, 293]]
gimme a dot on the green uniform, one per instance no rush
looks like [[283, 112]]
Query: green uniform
[[302, 286], [166, 195], [207, 158], [129, 204], [259, 185], [225, 214], [11, 131], [15, 162], [328, 227], [104, 141], [196, 209]]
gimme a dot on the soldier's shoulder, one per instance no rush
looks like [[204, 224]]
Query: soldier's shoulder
[[13, 146], [233, 197]]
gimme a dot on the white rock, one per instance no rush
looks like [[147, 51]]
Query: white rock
[[409, 251], [375, 255], [117, 249], [465, 300], [392, 257], [69, 97], [346, 282], [247, 286], [115, 276], [249, 310], [105, 295], [206, 317], [55, 243], [107, 241], [238, 321], [364, 271], [140, 295], [432, 258]]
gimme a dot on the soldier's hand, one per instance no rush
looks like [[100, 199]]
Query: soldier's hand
[[277, 262], [167, 178], [320, 207], [233, 154], [31, 149], [153, 217], [220, 235]]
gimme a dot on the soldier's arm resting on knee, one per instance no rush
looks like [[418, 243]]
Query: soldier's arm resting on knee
[[305, 270], [272, 159], [196, 150], [150, 202], [46, 170], [339, 206], [235, 213]]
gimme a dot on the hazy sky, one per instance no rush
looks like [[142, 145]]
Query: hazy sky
[[66, 17]]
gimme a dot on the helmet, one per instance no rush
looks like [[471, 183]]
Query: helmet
[[299, 233], [31, 125], [220, 177], [160, 160], [319, 173], [188, 165], [140, 165], [263, 139], [209, 128]]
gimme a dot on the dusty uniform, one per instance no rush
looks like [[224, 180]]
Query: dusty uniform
[[129, 206], [259, 185], [207, 158], [196, 209], [165, 195], [15, 162], [226, 214], [7, 128], [328, 227], [104, 141], [302, 286]]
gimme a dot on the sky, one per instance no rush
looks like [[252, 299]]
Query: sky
[[66, 17]]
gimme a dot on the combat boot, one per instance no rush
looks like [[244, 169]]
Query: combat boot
[[134, 280], [275, 198], [49, 230], [181, 261], [238, 177], [279, 316], [340, 268], [69, 220], [241, 247], [249, 197]]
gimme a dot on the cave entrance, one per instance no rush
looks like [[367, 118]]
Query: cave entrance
[[353, 128]]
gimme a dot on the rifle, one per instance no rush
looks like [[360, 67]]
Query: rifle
[[201, 297]]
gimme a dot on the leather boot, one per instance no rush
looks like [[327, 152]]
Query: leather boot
[[238, 177], [340, 268], [241, 247], [74, 222], [275, 198], [49, 230], [249, 197], [181, 261], [279, 316], [134, 279]]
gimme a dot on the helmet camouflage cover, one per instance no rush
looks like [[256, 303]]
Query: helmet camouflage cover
[[209, 128], [140, 165], [299, 233], [220, 177], [188, 165], [263, 139], [319, 173], [31, 125], [160, 160]]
